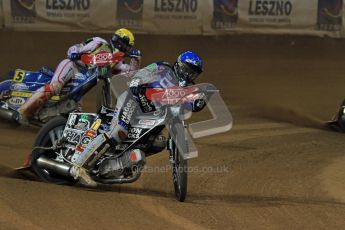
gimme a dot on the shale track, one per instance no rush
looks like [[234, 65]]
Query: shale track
[[279, 167]]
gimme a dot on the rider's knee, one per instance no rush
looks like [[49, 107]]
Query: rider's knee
[[65, 71], [54, 88]]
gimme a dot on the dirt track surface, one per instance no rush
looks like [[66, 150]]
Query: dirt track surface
[[278, 168]]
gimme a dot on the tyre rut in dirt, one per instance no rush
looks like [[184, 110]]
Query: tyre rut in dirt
[[48, 134]]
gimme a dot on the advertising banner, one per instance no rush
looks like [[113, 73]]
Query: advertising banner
[[318, 17], [1, 15], [294, 14], [313, 17], [129, 14], [59, 15], [224, 16], [173, 16], [330, 15]]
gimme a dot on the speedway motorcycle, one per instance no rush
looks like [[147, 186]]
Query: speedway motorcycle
[[60, 142], [338, 120], [22, 84]]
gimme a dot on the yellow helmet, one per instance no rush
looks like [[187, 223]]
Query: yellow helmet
[[125, 34]]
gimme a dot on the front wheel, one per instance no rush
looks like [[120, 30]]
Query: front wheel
[[103, 96], [47, 136], [179, 173]]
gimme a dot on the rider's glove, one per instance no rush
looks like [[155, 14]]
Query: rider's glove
[[74, 56], [199, 103], [136, 90], [134, 53]]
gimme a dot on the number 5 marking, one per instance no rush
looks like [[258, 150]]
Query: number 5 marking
[[19, 76]]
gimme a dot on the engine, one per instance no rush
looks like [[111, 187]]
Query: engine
[[63, 108], [115, 167]]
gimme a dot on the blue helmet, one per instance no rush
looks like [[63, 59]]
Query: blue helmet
[[188, 67]]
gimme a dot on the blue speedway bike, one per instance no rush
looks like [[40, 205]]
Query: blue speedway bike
[[21, 85]]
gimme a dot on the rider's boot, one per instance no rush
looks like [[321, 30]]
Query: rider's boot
[[78, 171], [21, 118], [38, 99]]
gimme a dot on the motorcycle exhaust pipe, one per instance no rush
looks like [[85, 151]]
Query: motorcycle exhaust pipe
[[54, 166], [7, 115], [120, 180]]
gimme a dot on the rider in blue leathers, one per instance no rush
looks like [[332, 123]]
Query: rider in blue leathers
[[184, 72]]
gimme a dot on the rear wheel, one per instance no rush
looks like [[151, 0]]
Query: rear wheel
[[47, 136]]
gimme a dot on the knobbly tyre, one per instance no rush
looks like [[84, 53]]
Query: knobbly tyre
[[21, 85], [60, 142]]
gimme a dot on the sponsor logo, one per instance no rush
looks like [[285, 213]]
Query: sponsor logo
[[329, 16], [174, 93], [225, 14], [4, 106], [121, 123], [79, 76], [130, 13], [104, 110], [134, 83], [76, 138], [16, 100], [95, 126], [19, 86], [103, 58], [121, 147], [166, 80], [269, 11], [73, 84], [147, 122], [79, 122], [134, 133], [145, 104], [184, 6], [176, 9], [68, 4], [68, 8], [270, 8], [127, 111], [23, 11], [85, 140], [71, 120], [82, 125], [172, 96], [28, 94]]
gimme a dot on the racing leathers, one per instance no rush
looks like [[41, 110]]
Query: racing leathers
[[130, 103], [72, 66]]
